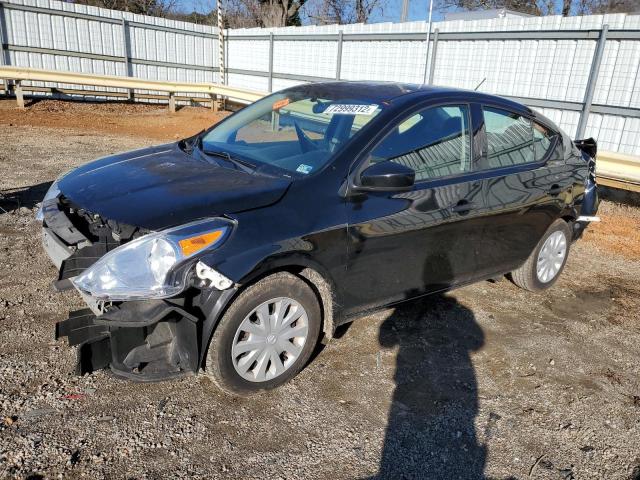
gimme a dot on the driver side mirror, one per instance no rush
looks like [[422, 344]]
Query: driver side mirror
[[387, 176]]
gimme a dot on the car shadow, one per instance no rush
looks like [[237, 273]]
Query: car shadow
[[430, 431], [16, 198]]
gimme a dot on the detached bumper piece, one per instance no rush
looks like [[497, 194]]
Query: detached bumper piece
[[145, 340]]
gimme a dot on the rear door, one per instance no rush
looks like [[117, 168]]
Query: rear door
[[525, 188], [403, 244]]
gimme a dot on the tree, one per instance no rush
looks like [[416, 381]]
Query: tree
[[328, 12], [532, 7], [263, 13], [547, 7], [210, 18], [586, 7], [156, 8]]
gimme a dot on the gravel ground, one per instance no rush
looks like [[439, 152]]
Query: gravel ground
[[487, 381]]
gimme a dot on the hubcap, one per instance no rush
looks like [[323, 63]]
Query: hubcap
[[551, 257], [270, 339]]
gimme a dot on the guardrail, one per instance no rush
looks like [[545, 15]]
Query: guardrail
[[213, 90], [617, 170], [613, 169]]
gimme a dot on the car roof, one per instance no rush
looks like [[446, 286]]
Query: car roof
[[395, 92]]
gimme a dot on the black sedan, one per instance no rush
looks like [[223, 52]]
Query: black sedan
[[237, 250]]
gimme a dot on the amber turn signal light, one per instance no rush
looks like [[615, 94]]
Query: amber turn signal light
[[191, 245]]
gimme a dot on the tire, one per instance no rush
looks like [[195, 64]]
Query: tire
[[281, 292], [527, 275]]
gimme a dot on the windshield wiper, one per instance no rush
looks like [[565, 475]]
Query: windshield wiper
[[243, 164]]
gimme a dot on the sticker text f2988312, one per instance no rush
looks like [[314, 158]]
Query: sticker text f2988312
[[351, 109]]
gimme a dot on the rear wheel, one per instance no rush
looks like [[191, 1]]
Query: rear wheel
[[546, 262], [266, 336]]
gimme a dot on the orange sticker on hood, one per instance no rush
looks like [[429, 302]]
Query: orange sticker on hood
[[281, 103]]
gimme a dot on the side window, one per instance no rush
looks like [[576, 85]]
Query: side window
[[509, 138], [543, 141], [434, 142]]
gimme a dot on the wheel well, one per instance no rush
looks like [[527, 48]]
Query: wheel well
[[320, 285], [571, 220]]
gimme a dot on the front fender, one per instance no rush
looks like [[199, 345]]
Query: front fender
[[213, 304]]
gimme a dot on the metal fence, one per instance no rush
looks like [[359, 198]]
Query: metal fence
[[584, 79], [78, 38], [582, 72]]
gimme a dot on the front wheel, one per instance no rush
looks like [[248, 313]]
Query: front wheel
[[266, 336], [546, 262]]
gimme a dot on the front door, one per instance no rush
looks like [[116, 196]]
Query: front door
[[404, 244]]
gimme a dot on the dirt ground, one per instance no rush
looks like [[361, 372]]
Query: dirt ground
[[152, 121], [488, 381]]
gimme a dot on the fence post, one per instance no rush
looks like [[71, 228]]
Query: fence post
[[172, 102], [339, 56], [3, 60], [426, 60], [270, 62], [434, 53], [591, 83], [222, 52], [126, 49]]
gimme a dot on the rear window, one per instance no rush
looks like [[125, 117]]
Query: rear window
[[546, 142], [509, 138]]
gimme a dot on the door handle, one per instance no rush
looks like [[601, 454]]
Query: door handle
[[462, 207], [555, 190]]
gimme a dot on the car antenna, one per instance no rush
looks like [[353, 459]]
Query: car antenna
[[483, 80]]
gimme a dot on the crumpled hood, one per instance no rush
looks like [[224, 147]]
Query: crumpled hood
[[162, 186]]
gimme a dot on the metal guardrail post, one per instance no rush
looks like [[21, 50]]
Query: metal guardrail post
[[270, 88], [126, 49], [19, 93], [339, 56], [434, 53], [591, 83]]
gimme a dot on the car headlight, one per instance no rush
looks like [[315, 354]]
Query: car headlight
[[144, 268], [51, 194]]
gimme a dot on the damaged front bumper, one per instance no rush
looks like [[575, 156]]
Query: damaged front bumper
[[145, 340], [141, 340]]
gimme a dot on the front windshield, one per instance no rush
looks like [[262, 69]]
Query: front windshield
[[290, 130]]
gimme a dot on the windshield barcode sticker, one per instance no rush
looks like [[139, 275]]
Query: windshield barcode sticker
[[306, 169], [351, 109]]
